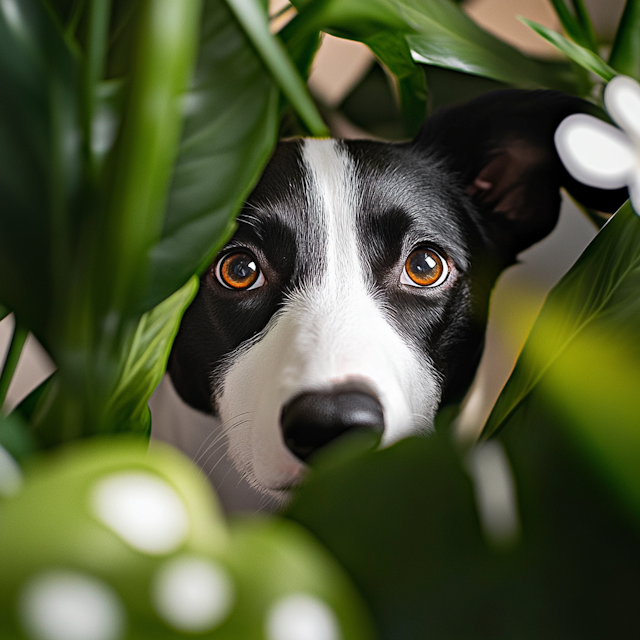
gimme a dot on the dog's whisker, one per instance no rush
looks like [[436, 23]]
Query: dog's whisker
[[221, 443], [222, 431]]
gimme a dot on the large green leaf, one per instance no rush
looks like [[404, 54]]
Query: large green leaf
[[584, 57], [583, 355], [146, 362], [405, 524], [39, 158], [229, 133], [139, 170], [446, 37], [625, 53]]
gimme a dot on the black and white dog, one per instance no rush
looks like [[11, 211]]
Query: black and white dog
[[354, 293]]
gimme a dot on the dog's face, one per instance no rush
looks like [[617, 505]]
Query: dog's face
[[354, 292]]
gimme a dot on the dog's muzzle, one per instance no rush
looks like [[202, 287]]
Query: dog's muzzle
[[314, 419]]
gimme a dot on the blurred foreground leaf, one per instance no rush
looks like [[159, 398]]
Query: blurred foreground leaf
[[404, 523], [39, 159], [109, 536], [583, 356]]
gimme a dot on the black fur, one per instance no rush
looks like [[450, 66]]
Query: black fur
[[480, 183]]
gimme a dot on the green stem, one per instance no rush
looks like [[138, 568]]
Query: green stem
[[98, 31], [18, 339], [587, 26]]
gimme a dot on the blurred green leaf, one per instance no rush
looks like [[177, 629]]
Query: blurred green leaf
[[254, 21], [39, 159], [229, 133], [16, 438], [625, 53], [146, 362], [4, 312], [585, 58], [583, 355], [404, 522], [587, 294], [573, 26]]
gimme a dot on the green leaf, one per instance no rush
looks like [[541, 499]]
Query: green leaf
[[4, 312], [380, 25], [625, 53], [393, 50], [587, 26], [15, 437], [585, 58], [583, 355], [255, 23], [446, 37], [139, 169], [573, 26], [39, 159], [146, 362], [405, 523], [229, 133]]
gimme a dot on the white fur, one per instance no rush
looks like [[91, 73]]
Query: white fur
[[333, 331]]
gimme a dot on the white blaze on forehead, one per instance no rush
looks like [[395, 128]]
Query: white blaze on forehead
[[331, 330]]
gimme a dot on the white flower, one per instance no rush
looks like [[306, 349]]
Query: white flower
[[598, 154]]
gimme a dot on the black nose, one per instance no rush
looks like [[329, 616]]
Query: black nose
[[314, 419]]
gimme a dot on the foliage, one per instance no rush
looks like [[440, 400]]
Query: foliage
[[131, 132]]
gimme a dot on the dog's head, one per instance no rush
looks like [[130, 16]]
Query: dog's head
[[354, 293]]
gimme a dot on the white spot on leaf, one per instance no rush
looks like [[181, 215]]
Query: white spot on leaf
[[67, 605], [302, 617], [193, 594], [143, 510]]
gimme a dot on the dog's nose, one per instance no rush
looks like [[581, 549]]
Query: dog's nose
[[314, 419]]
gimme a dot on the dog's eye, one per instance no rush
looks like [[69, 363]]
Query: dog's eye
[[424, 268], [239, 270]]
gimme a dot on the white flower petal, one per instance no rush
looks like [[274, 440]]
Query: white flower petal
[[634, 192], [622, 100], [594, 152]]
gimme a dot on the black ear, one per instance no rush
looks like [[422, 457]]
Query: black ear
[[501, 146]]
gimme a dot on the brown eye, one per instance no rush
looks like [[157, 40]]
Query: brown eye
[[424, 268], [239, 270]]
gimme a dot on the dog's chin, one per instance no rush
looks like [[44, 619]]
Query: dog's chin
[[279, 496]]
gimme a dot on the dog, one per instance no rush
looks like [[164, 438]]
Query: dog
[[354, 293]]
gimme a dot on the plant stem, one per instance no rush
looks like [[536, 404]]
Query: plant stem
[[98, 30], [18, 339]]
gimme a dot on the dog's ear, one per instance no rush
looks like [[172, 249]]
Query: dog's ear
[[501, 146]]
